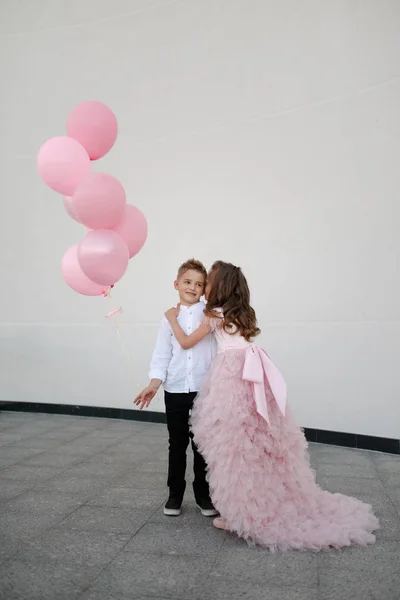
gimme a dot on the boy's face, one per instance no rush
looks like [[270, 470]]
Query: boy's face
[[190, 286]]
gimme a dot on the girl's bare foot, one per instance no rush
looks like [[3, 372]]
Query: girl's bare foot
[[220, 523]]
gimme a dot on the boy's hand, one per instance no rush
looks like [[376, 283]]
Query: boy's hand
[[172, 313], [143, 399]]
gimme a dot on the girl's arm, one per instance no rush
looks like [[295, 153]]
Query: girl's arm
[[186, 341]]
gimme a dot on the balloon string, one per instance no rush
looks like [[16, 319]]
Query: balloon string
[[114, 315]]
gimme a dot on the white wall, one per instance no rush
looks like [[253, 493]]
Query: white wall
[[261, 132]]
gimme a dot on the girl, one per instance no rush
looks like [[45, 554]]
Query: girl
[[258, 467]]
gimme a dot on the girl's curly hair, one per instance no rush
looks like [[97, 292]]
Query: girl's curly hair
[[229, 291]]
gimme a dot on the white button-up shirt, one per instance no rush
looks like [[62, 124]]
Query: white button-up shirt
[[180, 370]]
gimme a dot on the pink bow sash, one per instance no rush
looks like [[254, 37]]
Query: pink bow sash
[[256, 364]]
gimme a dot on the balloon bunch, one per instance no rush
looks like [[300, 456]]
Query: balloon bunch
[[117, 231]]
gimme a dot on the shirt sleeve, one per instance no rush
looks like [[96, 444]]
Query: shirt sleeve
[[162, 353]]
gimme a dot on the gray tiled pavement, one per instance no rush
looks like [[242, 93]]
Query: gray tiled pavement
[[81, 518]]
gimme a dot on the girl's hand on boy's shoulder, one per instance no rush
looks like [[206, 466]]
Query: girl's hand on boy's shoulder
[[172, 313]]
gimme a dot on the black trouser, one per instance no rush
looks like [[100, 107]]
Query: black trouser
[[178, 407]]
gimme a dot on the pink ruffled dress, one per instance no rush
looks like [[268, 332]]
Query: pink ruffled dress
[[258, 465]]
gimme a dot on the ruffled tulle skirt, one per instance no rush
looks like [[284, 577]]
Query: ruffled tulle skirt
[[259, 473]]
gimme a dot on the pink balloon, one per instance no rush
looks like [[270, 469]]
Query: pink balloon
[[69, 207], [74, 276], [132, 229], [62, 164], [103, 256], [99, 201], [95, 126]]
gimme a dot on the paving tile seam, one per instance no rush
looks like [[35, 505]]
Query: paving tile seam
[[120, 551], [66, 468], [34, 437], [385, 487], [43, 532]]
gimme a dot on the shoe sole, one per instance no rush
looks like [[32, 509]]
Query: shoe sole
[[208, 513], [172, 512]]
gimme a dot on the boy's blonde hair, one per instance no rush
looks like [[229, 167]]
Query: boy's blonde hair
[[192, 265]]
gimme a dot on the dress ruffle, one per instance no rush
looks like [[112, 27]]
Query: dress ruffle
[[259, 473]]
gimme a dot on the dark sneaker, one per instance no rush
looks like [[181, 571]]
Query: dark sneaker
[[173, 506], [206, 507]]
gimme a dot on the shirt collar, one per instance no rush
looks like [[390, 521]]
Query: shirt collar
[[192, 306]]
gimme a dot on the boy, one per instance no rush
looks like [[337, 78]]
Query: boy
[[181, 372]]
